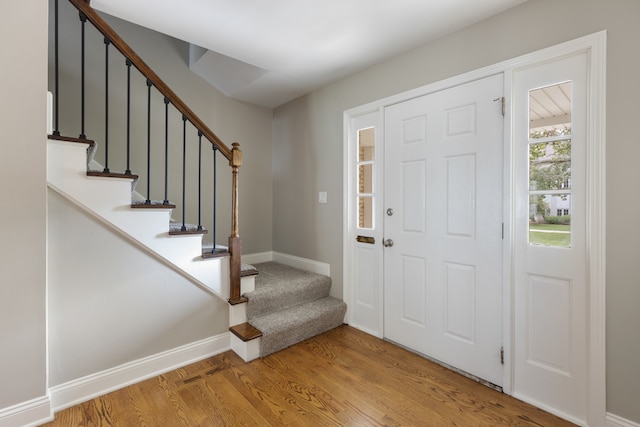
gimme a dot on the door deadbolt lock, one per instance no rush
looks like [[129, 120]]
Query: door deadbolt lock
[[390, 212], [388, 243]]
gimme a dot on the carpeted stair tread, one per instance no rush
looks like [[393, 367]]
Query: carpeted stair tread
[[286, 327], [279, 287]]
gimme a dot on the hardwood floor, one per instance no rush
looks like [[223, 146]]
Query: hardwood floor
[[341, 378]]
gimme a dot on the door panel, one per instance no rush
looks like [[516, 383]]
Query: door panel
[[461, 185], [443, 179], [365, 304], [550, 292], [413, 209], [460, 297]]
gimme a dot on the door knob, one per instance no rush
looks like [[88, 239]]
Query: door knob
[[388, 243], [390, 212]]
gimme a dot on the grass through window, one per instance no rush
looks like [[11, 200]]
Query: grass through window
[[550, 235]]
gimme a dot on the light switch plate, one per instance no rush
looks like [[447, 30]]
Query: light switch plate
[[322, 197]]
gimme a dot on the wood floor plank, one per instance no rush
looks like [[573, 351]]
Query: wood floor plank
[[393, 383], [473, 398], [300, 395], [341, 378], [357, 399], [375, 391]]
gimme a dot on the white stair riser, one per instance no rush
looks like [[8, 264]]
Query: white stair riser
[[247, 284], [237, 314], [247, 350]]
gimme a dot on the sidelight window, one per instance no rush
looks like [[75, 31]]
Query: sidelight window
[[366, 191], [550, 165]]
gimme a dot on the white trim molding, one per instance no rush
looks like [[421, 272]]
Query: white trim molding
[[617, 421], [31, 413], [596, 227], [303, 263], [257, 258], [290, 260], [94, 385], [595, 45]]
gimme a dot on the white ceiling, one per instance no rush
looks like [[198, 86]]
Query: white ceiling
[[268, 52]]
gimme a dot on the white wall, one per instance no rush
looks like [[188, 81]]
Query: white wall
[[111, 303], [307, 150], [23, 85]]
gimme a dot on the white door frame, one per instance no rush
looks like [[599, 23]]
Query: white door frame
[[595, 46]]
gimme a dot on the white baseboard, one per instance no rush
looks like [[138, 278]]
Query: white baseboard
[[290, 260], [100, 383], [616, 421], [549, 409], [302, 263], [31, 413], [257, 258]]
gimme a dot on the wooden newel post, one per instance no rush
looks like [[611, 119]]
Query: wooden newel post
[[235, 245]]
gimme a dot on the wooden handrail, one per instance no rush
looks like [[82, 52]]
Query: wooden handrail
[[106, 30], [234, 155]]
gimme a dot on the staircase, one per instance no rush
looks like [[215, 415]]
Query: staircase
[[109, 199], [289, 305], [279, 308], [108, 194]]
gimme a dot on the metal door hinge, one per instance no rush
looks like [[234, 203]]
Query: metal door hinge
[[501, 99], [502, 355], [503, 231]]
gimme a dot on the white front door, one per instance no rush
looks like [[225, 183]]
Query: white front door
[[550, 246], [443, 226]]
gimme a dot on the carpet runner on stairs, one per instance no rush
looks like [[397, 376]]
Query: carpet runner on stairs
[[290, 305]]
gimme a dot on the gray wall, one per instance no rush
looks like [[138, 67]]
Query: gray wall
[[231, 120], [307, 150], [23, 211]]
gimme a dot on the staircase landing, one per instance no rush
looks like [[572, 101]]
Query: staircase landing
[[290, 305]]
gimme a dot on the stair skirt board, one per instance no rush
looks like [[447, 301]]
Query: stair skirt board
[[290, 305]]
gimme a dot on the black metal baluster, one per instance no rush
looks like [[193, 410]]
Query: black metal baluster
[[166, 151], [56, 109], [107, 42], [215, 175], [184, 167], [83, 20], [128, 171], [199, 180], [149, 84]]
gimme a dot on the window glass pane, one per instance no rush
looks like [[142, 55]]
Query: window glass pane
[[550, 111], [366, 142], [550, 219], [550, 165], [365, 212], [365, 178]]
